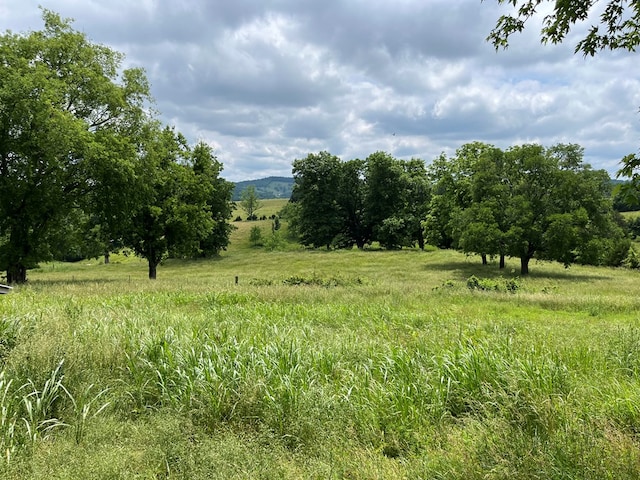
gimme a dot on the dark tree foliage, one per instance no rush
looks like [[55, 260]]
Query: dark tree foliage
[[317, 215], [341, 204], [351, 198], [417, 193], [385, 198], [207, 169]]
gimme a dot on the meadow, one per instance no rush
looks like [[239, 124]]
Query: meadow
[[293, 364]]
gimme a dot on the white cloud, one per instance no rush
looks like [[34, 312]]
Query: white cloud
[[265, 82]]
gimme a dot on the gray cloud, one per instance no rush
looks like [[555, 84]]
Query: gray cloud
[[265, 82]]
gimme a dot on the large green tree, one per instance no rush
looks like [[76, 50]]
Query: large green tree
[[384, 199], [480, 228], [531, 202], [417, 195], [559, 208], [339, 204], [351, 200], [451, 193], [59, 95], [172, 214], [317, 218]]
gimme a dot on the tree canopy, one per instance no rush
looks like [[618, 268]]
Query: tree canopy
[[618, 26], [61, 99], [526, 202], [82, 155]]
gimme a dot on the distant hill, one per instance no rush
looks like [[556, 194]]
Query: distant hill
[[270, 187]]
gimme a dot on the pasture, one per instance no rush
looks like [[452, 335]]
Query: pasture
[[317, 364]]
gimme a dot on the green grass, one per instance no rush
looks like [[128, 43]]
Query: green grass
[[320, 364], [631, 215]]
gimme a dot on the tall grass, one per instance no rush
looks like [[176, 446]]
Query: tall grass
[[320, 365]]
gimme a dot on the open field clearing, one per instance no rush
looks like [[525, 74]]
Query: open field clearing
[[318, 364]]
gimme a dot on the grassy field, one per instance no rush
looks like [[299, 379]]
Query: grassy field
[[317, 364], [631, 215]]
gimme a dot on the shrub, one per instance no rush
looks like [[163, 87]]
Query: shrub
[[510, 285], [314, 280], [632, 260], [634, 227], [275, 241]]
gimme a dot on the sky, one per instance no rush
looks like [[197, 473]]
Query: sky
[[265, 82]]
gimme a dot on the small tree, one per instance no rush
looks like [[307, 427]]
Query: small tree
[[255, 236], [250, 202]]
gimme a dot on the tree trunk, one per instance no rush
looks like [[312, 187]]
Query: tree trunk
[[421, 242], [106, 258], [502, 260], [153, 269], [524, 265], [16, 273], [484, 259]]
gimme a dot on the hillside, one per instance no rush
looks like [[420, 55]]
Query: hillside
[[270, 187]]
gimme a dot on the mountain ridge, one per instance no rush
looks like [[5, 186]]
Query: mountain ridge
[[266, 188]]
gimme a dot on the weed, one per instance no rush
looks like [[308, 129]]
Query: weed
[[85, 408], [40, 406], [509, 285]]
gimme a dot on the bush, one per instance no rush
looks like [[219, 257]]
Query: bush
[[510, 285], [314, 280], [632, 260], [634, 227]]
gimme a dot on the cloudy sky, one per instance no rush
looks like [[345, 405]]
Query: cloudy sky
[[268, 81]]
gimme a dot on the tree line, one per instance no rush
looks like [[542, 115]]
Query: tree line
[[527, 201], [85, 166]]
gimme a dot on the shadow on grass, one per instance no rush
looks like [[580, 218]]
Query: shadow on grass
[[463, 269], [71, 281]]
